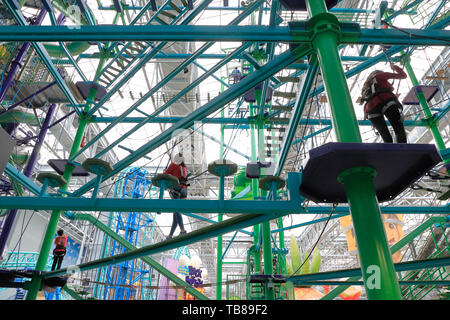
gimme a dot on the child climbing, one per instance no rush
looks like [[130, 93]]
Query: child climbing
[[60, 250], [380, 101], [178, 169]]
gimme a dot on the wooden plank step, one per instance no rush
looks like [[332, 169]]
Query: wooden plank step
[[107, 78], [323, 99], [279, 138], [277, 129], [110, 73], [288, 95], [120, 64], [134, 49], [270, 145], [289, 79], [282, 108], [282, 120], [436, 78], [175, 7], [115, 69], [161, 21], [123, 59], [130, 54], [168, 14], [141, 45]]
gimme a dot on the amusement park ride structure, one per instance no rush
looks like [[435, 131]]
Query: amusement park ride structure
[[262, 99]]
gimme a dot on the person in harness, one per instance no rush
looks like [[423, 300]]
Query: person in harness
[[178, 169], [60, 249], [380, 101]]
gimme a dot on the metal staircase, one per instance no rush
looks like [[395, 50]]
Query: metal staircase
[[131, 52]]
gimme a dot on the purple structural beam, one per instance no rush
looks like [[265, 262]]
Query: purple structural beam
[[10, 128], [9, 221]]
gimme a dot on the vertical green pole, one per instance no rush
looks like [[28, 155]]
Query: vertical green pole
[[254, 192], [254, 155], [426, 109], [219, 264], [35, 285], [376, 261], [266, 239]]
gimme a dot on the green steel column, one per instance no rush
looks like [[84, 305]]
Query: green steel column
[[254, 155], [282, 257], [219, 268], [35, 285], [376, 261], [254, 192], [265, 229], [426, 109]]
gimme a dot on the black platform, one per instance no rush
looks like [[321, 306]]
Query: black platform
[[249, 96], [59, 166], [8, 276], [397, 166], [428, 91], [300, 5], [84, 87]]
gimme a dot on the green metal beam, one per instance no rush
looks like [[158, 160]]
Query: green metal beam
[[248, 207], [215, 104], [356, 272], [351, 34], [229, 225]]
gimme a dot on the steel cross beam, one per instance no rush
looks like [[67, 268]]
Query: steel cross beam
[[248, 207], [382, 57], [229, 225], [188, 33], [40, 50], [145, 59], [152, 117], [215, 104], [127, 45], [402, 266], [158, 86], [160, 46], [239, 121]]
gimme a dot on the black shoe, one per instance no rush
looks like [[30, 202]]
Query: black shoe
[[169, 237], [182, 232]]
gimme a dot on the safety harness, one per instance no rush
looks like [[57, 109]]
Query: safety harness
[[183, 177], [375, 90], [60, 249]]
